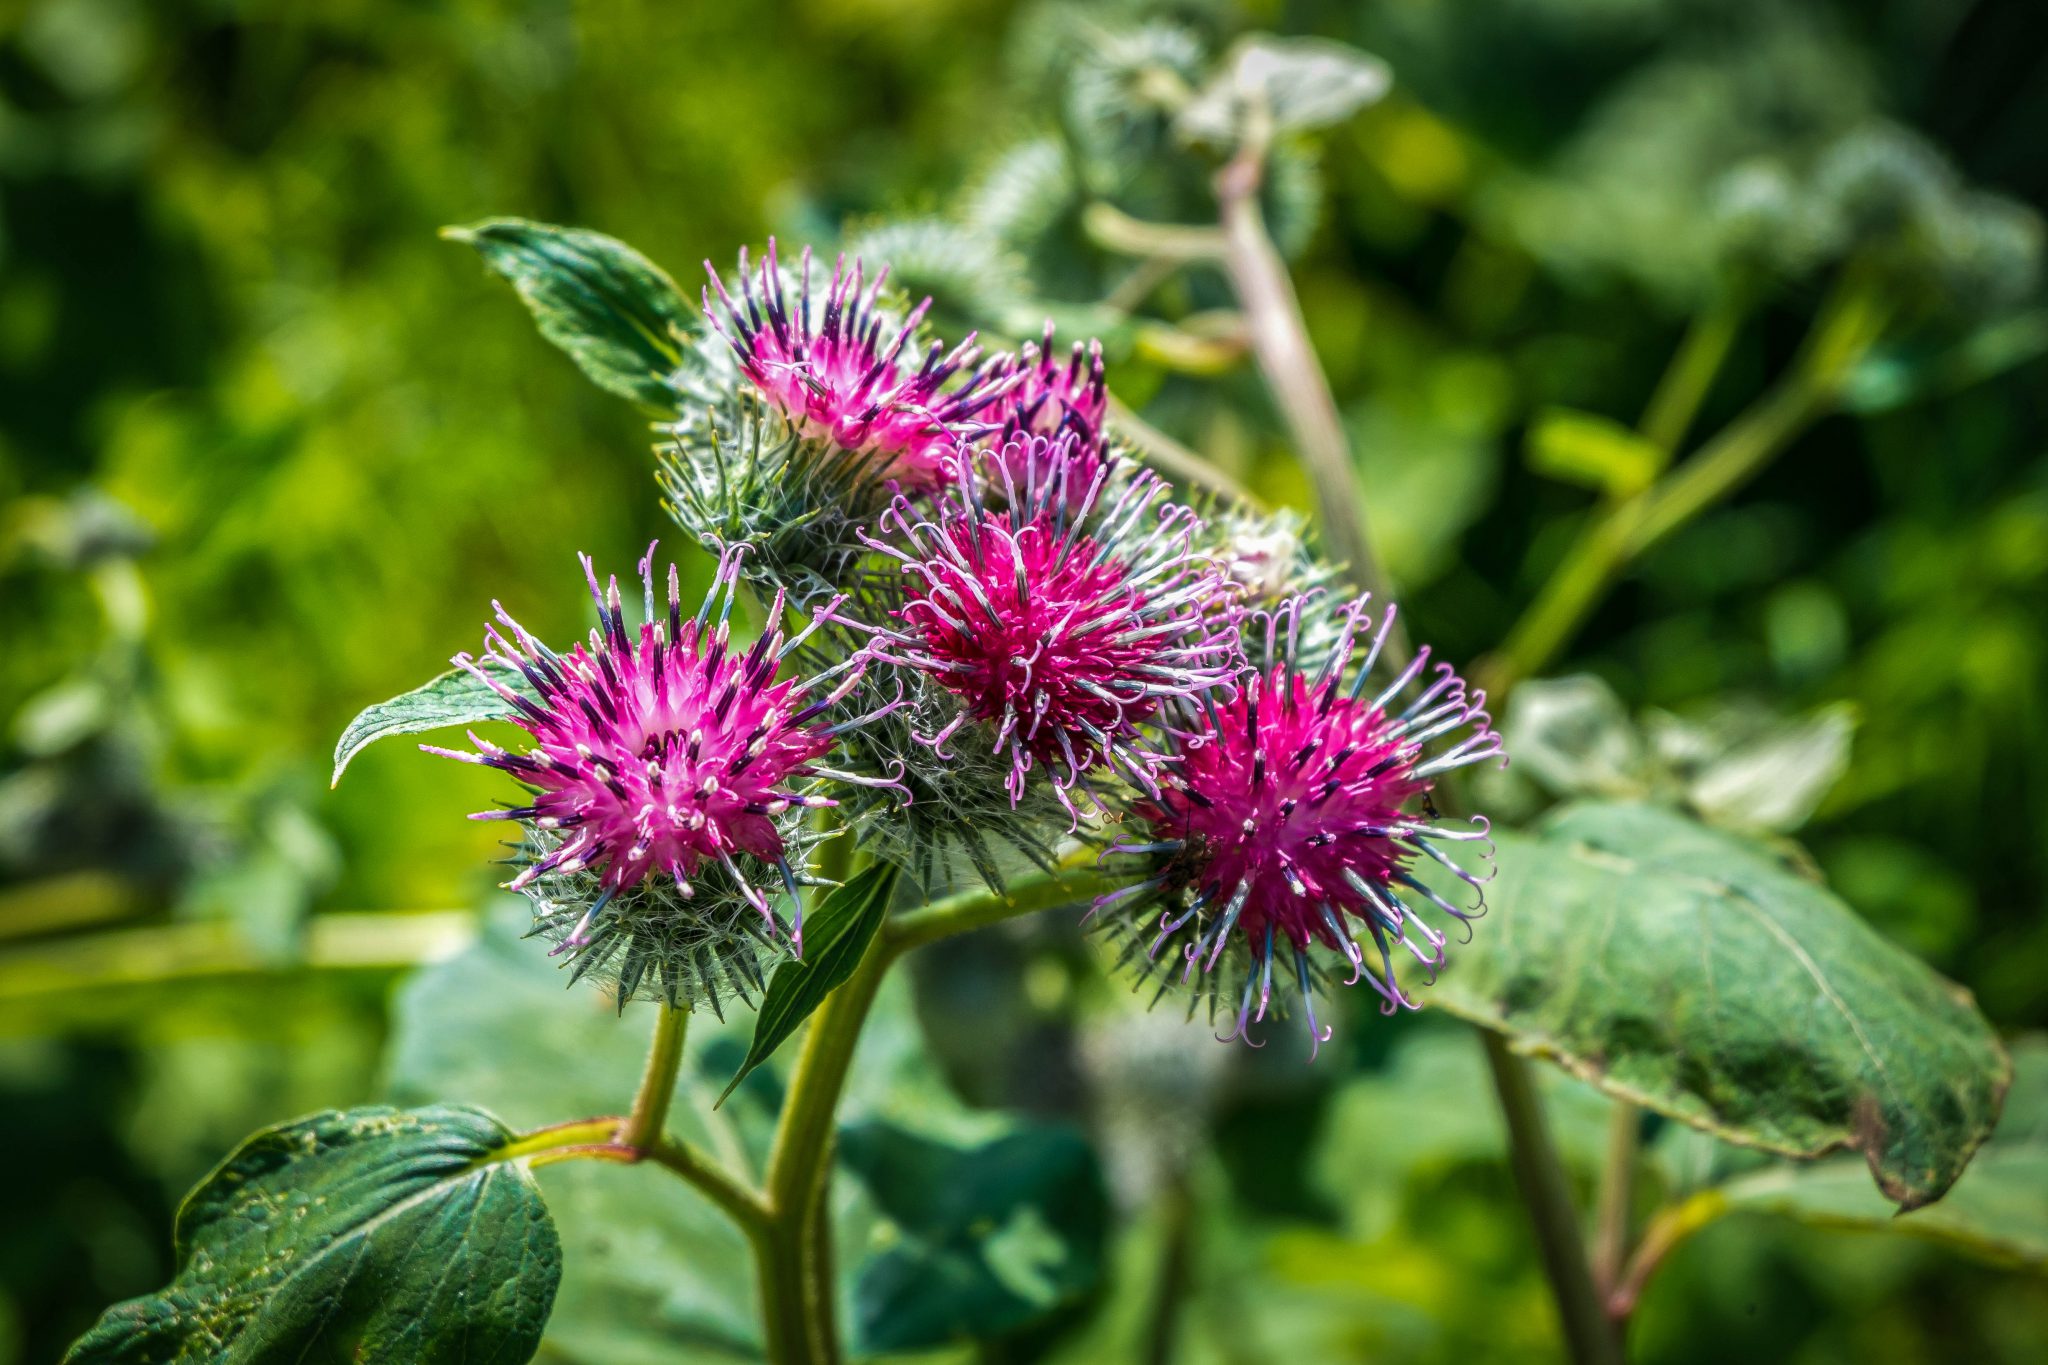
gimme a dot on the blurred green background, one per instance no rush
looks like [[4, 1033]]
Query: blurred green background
[[268, 449]]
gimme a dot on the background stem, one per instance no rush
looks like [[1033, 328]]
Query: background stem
[[1591, 1338], [1691, 373], [1617, 1195], [1280, 340]]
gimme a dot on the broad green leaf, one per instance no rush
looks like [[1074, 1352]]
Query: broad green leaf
[[652, 1273], [365, 1234], [836, 934], [1689, 971], [1998, 1210], [457, 697], [993, 1238], [1591, 451], [616, 313], [1301, 83]]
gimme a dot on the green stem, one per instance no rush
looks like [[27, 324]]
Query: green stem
[[746, 1208], [1617, 1195], [1620, 534], [1170, 455], [1589, 1335], [643, 1126], [1670, 1227], [779, 1271], [1691, 373], [979, 909], [794, 1256], [800, 1164]]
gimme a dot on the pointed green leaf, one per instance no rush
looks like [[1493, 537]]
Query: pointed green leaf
[[616, 313], [836, 934], [457, 697], [366, 1234], [1998, 1210], [1692, 972]]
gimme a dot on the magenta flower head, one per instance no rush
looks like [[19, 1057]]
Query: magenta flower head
[[1293, 821], [1060, 619], [666, 779], [1055, 396], [842, 369]]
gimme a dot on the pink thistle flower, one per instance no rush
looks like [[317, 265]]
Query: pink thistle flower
[[1055, 397], [1292, 820], [661, 750], [1062, 620], [837, 367], [1052, 399]]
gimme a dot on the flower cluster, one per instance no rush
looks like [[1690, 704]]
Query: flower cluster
[[987, 635]]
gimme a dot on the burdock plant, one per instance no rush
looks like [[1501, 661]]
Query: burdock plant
[[980, 644]]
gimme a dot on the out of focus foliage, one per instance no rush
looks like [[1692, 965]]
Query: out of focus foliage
[[268, 448]]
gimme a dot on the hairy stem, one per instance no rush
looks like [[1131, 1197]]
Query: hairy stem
[[1617, 1195], [1589, 1335], [794, 1254]]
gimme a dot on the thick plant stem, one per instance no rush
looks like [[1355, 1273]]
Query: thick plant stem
[[1280, 340], [789, 1330], [1589, 1335], [793, 1254], [1617, 1195], [642, 1129], [800, 1166]]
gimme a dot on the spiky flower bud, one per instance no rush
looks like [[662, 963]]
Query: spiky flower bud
[[1061, 621], [1293, 817], [837, 366], [665, 765]]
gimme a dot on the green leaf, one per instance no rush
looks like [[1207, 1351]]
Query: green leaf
[[617, 314], [365, 1234], [457, 697], [1689, 971], [836, 934], [1998, 1210], [1591, 451], [652, 1273], [994, 1238]]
